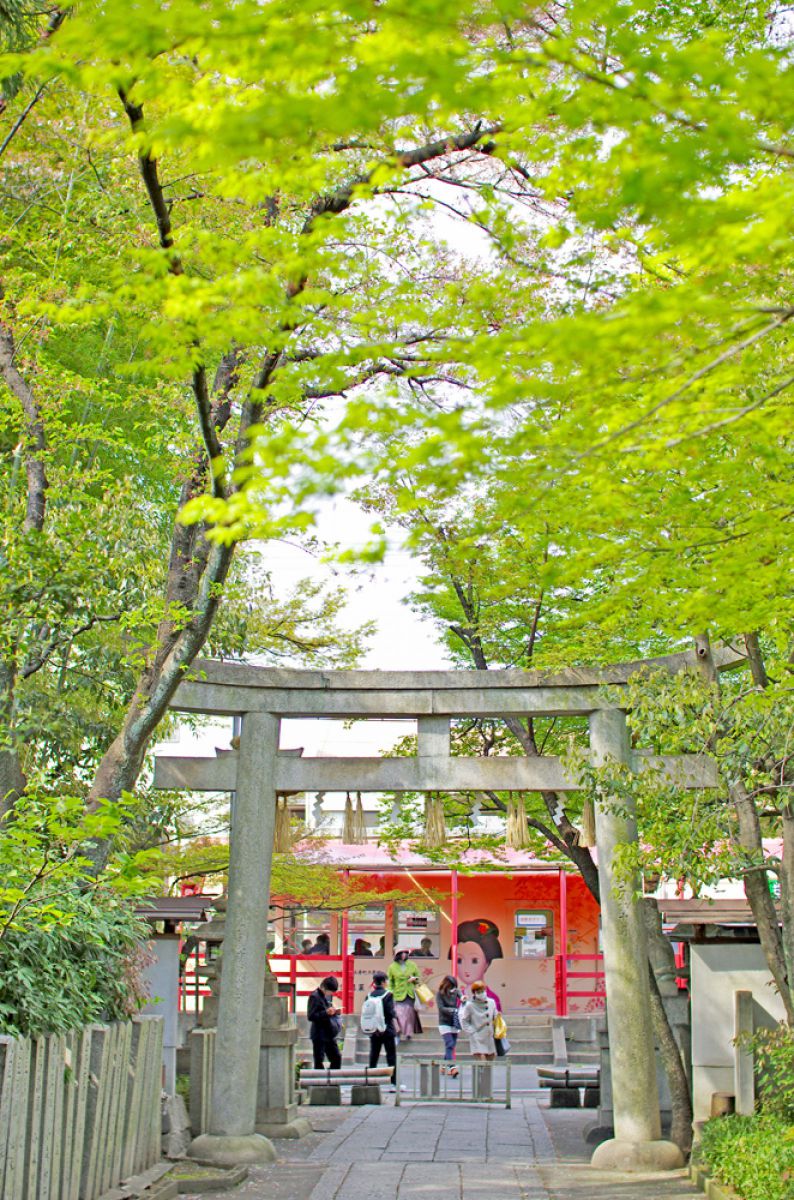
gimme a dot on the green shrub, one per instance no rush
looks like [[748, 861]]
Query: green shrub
[[753, 1155], [70, 943], [774, 1064]]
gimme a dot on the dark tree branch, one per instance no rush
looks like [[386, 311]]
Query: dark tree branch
[[34, 446], [162, 214], [756, 660], [15, 128], [43, 655]]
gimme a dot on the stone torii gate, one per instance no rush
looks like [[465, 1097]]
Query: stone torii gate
[[257, 772]]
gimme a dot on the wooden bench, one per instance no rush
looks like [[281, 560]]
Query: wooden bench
[[566, 1083], [325, 1086]]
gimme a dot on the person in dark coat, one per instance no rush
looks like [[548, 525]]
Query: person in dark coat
[[321, 946], [324, 1024], [386, 1038]]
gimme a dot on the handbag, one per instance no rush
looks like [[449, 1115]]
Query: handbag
[[502, 1046], [424, 994], [499, 1027], [456, 1020]]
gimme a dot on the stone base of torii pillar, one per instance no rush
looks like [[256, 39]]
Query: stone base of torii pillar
[[276, 1106]]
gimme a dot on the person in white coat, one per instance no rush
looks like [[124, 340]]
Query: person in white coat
[[477, 1016]]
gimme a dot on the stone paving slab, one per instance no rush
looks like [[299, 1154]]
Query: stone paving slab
[[450, 1152]]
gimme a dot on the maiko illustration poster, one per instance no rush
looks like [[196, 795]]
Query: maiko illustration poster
[[478, 945]]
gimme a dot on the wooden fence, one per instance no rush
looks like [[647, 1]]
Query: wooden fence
[[79, 1112]]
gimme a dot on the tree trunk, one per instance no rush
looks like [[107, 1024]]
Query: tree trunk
[[12, 780], [760, 899], [672, 1062], [786, 877], [121, 764], [750, 839], [34, 451]]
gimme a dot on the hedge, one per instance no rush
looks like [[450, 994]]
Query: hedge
[[753, 1155]]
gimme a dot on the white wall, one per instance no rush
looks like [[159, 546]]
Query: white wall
[[161, 977], [718, 971]]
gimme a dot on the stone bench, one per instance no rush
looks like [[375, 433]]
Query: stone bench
[[325, 1086], [566, 1083]]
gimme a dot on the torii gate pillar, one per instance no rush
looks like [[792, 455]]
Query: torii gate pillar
[[232, 1138], [637, 1144]]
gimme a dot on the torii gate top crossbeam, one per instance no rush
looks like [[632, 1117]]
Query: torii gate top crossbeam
[[235, 688]]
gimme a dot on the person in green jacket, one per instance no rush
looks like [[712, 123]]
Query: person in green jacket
[[403, 978]]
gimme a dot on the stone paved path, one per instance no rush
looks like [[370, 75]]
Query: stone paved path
[[450, 1152]]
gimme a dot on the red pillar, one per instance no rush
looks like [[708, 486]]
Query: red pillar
[[453, 906], [562, 999], [347, 988]]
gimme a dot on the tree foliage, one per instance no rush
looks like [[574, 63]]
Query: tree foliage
[[69, 937], [225, 217]]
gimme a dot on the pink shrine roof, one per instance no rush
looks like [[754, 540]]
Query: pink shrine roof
[[374, 857]]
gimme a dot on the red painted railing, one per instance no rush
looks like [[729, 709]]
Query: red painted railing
[[297, 975], [291, 970], [193, 986], [563, 976]]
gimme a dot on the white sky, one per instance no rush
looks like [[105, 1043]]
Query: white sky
[[403, 641]]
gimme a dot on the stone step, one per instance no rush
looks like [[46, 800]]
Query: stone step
[[530, 1038], [516, 1020], [428, 1043], [524, 1059]]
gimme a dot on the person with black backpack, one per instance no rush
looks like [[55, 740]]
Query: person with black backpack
[[377, 1021]]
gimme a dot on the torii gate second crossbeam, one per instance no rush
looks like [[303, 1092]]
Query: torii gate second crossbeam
[[257, 772]]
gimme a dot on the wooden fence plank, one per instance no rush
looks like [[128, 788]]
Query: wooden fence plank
[[144, 1052], [79, 1112], [7, 1052], [109, 1112], [82, 1085], [122, 1089], [153, 1091], [15, 1074], [134, 1099], [151, 1094], [34, 1116], [67, 1118], [155, 1110], [96, 1104], [144, 1056], [60, 1100], [20, 1117], [114, 1089], [47, 1131]]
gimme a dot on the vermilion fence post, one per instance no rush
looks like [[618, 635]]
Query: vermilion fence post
[[562, 999], [558, 984]]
